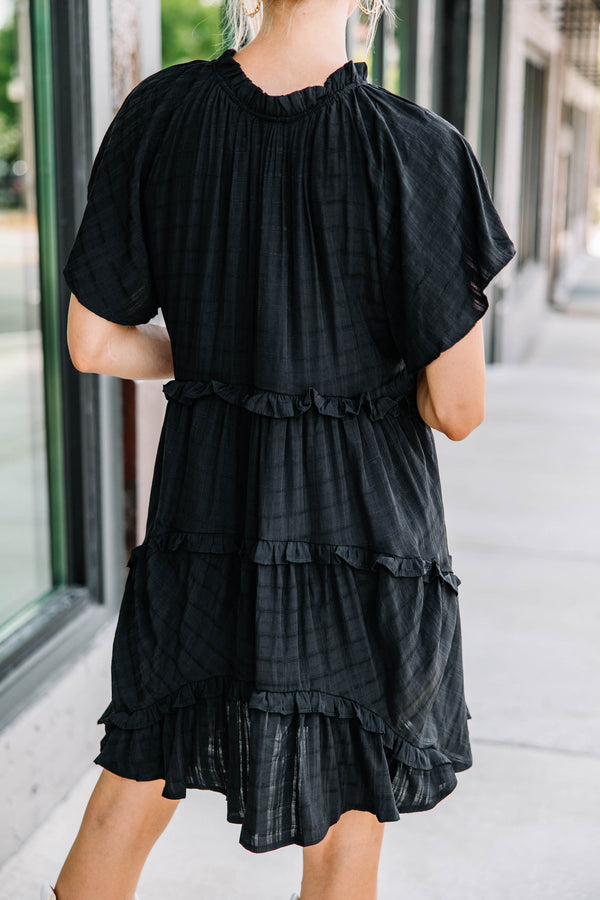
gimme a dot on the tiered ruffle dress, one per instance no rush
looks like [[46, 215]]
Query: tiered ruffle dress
[[289, 633]]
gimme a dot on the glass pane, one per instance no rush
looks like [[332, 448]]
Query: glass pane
[[391, 46], [356, 40], [24, 516]]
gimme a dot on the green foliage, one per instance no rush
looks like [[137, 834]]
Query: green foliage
[[8, 61], [10, 138], [191, 29]]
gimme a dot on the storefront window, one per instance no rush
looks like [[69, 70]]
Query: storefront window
[[396, 42], [24, 514], [391, 48]]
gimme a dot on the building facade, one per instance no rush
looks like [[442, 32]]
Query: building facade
[[519, 78]]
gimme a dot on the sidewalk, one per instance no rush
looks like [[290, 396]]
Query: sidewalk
[[522, 499]]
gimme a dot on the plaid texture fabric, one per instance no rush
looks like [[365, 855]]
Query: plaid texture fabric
[[290, 633]]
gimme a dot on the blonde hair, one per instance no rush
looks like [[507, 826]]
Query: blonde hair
[[242, 28]]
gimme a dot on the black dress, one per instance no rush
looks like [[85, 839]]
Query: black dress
[[289, 633]]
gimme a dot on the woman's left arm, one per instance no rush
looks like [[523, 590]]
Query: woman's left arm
[[126, 351]]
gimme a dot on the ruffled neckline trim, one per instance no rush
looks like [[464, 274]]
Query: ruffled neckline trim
[[251, 96]]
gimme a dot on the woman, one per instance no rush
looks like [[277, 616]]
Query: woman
[[290, 633]]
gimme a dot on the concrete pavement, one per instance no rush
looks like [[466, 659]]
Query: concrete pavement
[[522, 500]]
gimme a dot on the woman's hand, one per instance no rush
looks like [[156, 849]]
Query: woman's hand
[[451, 389], [125, 351]]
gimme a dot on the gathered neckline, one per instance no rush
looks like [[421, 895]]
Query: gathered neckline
[[253, 97]]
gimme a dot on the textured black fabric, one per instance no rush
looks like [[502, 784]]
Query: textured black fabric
[[289, 633]]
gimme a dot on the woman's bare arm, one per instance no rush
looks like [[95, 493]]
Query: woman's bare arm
[[451, 389], [126, 351]]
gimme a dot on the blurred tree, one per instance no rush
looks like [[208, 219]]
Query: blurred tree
[[191, 29], [10, 132]]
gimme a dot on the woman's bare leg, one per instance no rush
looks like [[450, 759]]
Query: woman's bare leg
[[344, 865], [122, 822]]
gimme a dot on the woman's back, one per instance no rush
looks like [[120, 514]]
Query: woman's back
[[319, 239]]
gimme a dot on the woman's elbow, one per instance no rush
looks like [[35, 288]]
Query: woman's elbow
[[81, 356], [87, 335], [460, 425], [456, 384], [81, 363]]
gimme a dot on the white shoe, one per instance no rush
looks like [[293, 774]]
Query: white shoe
[[47, 893]]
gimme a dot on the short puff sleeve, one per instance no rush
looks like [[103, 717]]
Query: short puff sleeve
[[108, 267], [452, 243]]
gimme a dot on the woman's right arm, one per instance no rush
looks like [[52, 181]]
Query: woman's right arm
[[451, 389]]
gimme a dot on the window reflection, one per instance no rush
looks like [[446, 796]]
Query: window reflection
[[391, 47], [386, 43], [24, 519]]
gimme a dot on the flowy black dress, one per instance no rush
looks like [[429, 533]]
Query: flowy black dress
[[289, 633]]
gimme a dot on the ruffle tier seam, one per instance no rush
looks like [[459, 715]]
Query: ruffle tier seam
[[267, 551], [316, 702], [278, 404]]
